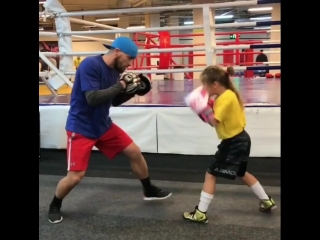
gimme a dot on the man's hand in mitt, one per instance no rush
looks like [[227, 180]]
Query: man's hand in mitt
[[132, 82]]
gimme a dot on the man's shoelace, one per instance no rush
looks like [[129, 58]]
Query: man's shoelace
[[154, 189], [54, 209]]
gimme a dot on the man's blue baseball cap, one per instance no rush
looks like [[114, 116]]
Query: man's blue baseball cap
[[125, 45]]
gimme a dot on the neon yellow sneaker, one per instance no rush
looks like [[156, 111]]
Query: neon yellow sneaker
[[195, 216], [267, 205]]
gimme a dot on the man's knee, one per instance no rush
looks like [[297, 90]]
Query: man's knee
[[75, 177], [133, 152]]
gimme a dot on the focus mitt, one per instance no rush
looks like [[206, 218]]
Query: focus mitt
[[144, 86]]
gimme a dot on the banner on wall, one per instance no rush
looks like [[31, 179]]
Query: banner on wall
[[48, 46]]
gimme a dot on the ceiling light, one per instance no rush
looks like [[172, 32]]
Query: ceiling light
[[216, 17], [135, 27], [260, 9], [262, 28], [223, 17], [42, 16], [107, 19], [260, 18]]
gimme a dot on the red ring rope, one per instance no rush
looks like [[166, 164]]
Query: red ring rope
[[164, 42]]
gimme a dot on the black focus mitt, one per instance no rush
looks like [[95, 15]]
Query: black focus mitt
[[144, 86]]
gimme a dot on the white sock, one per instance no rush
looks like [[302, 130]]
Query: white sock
[[258, 190], [205, 200]]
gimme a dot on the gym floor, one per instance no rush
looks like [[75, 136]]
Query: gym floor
[[108, 202]]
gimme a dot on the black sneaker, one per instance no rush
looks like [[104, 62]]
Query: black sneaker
[[54, 215], [155, 193]]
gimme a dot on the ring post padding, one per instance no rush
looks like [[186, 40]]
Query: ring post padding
[[228, 59], [164, 42], [249, 60]]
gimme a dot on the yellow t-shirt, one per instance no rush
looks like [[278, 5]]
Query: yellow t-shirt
[[230, 114], [77, 63]]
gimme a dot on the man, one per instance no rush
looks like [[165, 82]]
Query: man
[[77, 62], [262, 57], [99, 83]]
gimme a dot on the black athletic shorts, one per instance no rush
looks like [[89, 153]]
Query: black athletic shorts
[[231, 158]]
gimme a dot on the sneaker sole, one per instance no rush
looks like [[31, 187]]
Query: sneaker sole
[[273, 207], [269, 210], [57, 221], [156, 199], [189, 220]]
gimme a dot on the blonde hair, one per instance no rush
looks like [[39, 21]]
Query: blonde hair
[[213, 74]]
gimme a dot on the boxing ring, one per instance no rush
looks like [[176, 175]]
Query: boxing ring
[[160, 122]]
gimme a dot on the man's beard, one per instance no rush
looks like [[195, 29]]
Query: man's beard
[[118, 66]]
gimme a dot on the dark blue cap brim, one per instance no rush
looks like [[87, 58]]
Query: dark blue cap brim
[[107, 46]]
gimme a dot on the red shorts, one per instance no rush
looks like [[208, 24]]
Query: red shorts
[[79, 148]]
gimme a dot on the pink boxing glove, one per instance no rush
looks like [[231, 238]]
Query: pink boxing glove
[[197, 100], [211, 103], [207, 114]]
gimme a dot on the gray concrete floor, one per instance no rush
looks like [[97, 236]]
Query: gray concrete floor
[[113, 209]]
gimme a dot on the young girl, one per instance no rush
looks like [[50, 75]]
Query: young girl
[[228, 118]]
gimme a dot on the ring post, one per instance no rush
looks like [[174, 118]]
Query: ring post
[[64, 42], [209, 35]]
